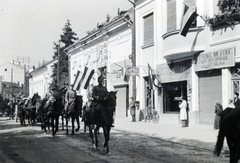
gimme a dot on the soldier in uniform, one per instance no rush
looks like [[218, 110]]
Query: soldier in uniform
[[100, 93], [70, 97]]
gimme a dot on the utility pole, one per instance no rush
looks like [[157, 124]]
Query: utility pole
[[133, 51], [12, 83]]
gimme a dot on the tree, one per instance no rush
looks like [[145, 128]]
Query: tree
[[67, 38]]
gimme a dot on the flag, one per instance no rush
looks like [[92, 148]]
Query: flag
[[150, 80], [82, 79], [87, 76], [188, 17], [77, 80]]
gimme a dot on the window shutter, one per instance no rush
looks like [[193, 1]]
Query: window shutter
[[171, 15], [148, 29]]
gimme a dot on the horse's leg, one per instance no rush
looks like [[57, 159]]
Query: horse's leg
[[62, 121], [52, 124], [91, 136], [78, 123], [67, 124], [73, 119], [85, 127], [96, 137], [57, 123]]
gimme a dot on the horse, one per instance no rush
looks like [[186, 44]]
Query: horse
[[30, 109], [229, 127], [100, 114], [21, 111], [73, 112]]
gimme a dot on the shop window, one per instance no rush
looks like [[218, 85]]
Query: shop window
[[148, 30], [171, 94]]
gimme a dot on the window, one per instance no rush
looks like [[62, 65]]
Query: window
[[148, 30], [171, 93], [171, 15]]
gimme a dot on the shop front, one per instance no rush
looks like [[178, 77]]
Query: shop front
[[176, 82], [214, 81]]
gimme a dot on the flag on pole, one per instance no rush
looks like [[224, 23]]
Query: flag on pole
[[88, 73], [189, 15], [77, 80], [82, 79], [150, 80]]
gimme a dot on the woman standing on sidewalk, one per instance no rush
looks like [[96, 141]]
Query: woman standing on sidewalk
[[183, 111]]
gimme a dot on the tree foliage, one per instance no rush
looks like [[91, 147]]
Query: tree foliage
[[66, 39]]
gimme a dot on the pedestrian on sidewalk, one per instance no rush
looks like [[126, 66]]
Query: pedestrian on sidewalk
[[183, 111], [132, 108], [236, 99], [218, 109]]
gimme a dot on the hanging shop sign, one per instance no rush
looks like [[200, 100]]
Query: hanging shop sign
[[132, 71], [216, 59]]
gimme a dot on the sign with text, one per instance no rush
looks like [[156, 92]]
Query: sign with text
[[132, 71], [216, 59]]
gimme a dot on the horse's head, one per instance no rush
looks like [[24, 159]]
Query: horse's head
[[112, 98], [35, 98], [79, 101]]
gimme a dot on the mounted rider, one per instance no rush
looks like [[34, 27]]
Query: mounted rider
[[70, 97], [100, 93]]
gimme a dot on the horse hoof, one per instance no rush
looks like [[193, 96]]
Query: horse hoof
[[94, 146], [45, 133]]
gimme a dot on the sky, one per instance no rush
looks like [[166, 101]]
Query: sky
[[28, 28]]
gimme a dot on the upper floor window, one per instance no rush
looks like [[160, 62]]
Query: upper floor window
[[171, 16], [148, 29]]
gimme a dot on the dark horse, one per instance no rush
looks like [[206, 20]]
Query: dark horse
[[49, 112], [21, 111], [229, 127], [100, 114], [30, 109], [73, 112]]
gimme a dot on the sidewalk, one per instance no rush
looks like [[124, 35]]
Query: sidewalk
[[203, 136]]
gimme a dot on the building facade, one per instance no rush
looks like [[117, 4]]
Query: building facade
[[40, 78], [203, 66], [12, 76], [106, 50]]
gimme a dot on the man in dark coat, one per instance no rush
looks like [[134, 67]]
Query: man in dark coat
[[100, 93], [236, 99]]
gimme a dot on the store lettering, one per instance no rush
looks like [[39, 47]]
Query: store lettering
[[217, 59]]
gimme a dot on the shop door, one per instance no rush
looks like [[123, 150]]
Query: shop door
[[122, 101], [210, 90]]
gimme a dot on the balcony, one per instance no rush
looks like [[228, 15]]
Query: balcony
[[177, 46]]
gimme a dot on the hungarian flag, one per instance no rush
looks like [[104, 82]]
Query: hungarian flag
[[82, 79], [188, 17], [150, 79]]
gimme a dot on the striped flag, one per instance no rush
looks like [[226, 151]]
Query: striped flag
[[77, 80], [188, 17], [82, 79], [150, 80]]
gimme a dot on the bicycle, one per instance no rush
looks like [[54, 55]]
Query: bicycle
[[153, 115]]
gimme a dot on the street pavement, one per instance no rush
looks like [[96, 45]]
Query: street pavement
[[203, 136]]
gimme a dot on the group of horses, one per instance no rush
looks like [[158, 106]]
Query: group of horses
[[48, 111]]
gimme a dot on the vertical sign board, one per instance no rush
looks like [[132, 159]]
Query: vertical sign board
[[216, 59]]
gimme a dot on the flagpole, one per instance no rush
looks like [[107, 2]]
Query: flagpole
[[197, 13]]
